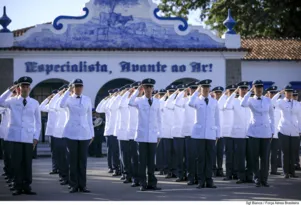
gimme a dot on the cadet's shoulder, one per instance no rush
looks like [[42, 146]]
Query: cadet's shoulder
[[35, 102], [86, 97]]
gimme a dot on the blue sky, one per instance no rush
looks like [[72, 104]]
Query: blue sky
[[25, 13]]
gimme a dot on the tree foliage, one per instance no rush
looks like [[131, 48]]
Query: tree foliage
[[269, 18]]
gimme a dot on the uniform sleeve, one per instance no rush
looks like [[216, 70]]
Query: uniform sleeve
[[124, 100], [245, 101], [180, 100], [169, 102], [4, 99], [275, 101], [116, 103], [43, 107], [159, 120], [299, 118], [217, 121], [229, 102], [64, 101], [194, 101], [38, 123], [100, 106], [133, 100], [53, 102], [89, 117], [272, 118], [222, 101]]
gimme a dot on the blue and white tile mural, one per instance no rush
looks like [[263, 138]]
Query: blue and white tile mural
[[118, 24]]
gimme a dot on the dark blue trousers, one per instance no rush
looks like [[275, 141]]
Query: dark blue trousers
[[231, 165], [160, 156], [179, 147], [240, 145], [113, 153], [190, 159], [129, 158], [54, 156], [7, 159], [275, 146], [169, 159], [219, 154], [62, 159], [146, 160], [78, 154]]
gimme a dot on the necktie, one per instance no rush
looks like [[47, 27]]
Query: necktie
[[206, 100], [78, 97], [258, 98], [289, 100], [150, 102], [24, 102]]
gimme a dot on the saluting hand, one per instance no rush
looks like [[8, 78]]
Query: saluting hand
[[13, 88], [237, 89], [282, 91], [199, 88], [252, 89], [157, 96]]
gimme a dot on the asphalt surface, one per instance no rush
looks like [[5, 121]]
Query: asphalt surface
[[104, 187]]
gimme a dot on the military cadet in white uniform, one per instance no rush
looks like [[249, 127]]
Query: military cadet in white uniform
[[114, 144], [7, 145], [241, 116], [44, 107], [205, 132], [220, 144], [122, 135], [62, 115], [78, 131], [275, 152], [297, 163], [24, 131], [149, 124], [289, 128], [166, 137], [160, 154], [260, 131], [178, 138], [231, 165], [102, 107], [131, 130]]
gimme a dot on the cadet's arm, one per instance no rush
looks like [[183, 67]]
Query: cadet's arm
[[133, 100], [64, 101], [229, 102], [89, 116], [245, 100], [179, 100], [43, 107], [100, 106], [37, 123], [169, 102], [4, 98], [194, 100], [217, 121], [272, 119]]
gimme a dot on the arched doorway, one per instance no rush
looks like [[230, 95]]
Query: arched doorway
[[116, 83], [40, 92], [183, 81]]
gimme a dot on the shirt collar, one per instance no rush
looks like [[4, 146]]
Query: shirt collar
[[255, 97], [21, 98], [287, 99], [147, 98], [75, 96]]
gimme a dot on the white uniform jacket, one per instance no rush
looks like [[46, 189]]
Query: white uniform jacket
[[277, 114], [179, 111], [290, 120], [115, 113], [52, 119], [149, 118], [124, 117], [79, 125], [207, 125], [104, 108], [4, 122], [168, 118], [133, 122], [226, 117], [25, 121], [242, 116], [61, 115], [262, 116]]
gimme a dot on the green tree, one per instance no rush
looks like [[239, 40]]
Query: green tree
[[268, 18]]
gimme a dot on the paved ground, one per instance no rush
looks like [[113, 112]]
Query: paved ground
[[105, 187]]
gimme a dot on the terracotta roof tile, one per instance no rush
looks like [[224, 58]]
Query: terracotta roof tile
[[272, 49]]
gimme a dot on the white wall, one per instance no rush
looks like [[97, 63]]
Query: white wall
[[279, 72], [93, 81]]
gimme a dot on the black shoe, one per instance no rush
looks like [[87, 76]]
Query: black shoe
[[227, 178], [29, 192], [64, 183], [200, 186], [161, 173], [127, 181], [10, 185], [235, 177], [17, 192], [168, 176], [84, 190], [257, 184], [143, 188], [110, 171], [9, 181], [69, 187], [297, 167], [135, 184], [12, 188], [275, 173], [116, 173], [61, 180], [190, 183], [180, 179], [73, 190], [153, 188], [211, 186], [122, 178], [6, 178], [3, 174], [293, 176], [265, 184], [196, 182], [240, 181], [53, 172], [286, 176]]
